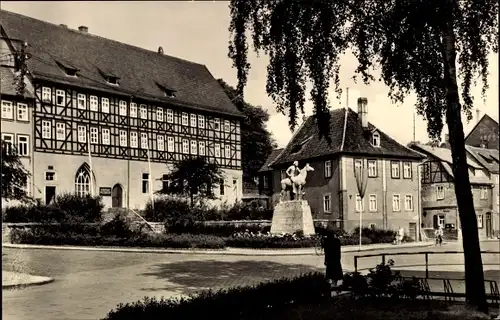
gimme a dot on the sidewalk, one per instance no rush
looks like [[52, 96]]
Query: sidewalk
[[228, 251], [17, 279]]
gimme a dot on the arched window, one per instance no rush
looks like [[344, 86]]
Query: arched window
[[82, 181]]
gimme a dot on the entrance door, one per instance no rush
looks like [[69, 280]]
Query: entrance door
[[489, 225], [50, 194], [117, 196], [413, 231]]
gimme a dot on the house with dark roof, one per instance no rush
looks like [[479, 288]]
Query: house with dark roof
[[392, 193], [439, 203], [110, 118], [484, 134], [265, 176]]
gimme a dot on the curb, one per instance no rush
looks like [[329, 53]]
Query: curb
[[228, 252], [28, 284]]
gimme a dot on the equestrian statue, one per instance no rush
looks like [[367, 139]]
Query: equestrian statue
[[295, 181]]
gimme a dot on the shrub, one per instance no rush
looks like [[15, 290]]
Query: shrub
[[242, 302], [376, 235], [119, 226], [166, 208], [223, 230]]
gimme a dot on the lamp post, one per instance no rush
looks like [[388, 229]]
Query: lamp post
[[361, 175]]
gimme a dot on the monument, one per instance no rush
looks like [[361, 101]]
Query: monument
[[293, 215]]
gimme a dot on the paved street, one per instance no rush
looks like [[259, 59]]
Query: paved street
[[90, 283]]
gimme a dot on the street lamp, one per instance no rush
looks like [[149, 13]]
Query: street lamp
[[361, 175]]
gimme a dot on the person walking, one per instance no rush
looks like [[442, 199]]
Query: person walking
[[333, 257], [439, 235]]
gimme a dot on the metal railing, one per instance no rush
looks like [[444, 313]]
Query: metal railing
[[143, 220], [426, 255]]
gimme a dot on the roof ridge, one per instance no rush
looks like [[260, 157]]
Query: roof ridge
[[103, 38], [291, 139]]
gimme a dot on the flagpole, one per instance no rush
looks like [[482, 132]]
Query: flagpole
[[150, 178], [90, 165]]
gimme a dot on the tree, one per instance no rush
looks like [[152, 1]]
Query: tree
[[256, 142], [193, 177], [14, 175], [415, 44]]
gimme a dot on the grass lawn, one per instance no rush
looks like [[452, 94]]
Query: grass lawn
[[346, 309]]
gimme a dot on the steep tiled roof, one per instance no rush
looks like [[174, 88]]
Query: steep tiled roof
[[7, 85], [306, 143], [272, 156], [141, 72], [444, 154], [488, 158]]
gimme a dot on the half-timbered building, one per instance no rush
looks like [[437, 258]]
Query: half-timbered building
[[391, 200], [439, 203], [110, 118]]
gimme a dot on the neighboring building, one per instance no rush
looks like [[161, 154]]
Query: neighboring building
[[392, 193], [265, 182], [439, 204], [484, 134], [126, 104]]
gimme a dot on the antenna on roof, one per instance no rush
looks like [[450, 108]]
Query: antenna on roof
[[413, 126], [347, 98], [160, 50]]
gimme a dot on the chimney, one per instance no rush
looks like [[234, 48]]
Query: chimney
[[478, 114], [363, 112], [160, 50], [64, 26], [446, 138], [83, 29]]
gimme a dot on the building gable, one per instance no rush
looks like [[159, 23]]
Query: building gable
[[484, 134]]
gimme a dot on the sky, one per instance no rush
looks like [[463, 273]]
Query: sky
[[198, 31]]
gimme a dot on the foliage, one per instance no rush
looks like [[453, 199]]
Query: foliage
[[256, 141], [376, 235], [14, 175], [236, 303], [193, 177], [119, 226], [85, 209], [222, 230]]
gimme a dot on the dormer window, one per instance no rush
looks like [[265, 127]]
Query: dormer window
[[69, 70], [169, 94], [112, 80], [167, 91], [109, 77], [376, 139]]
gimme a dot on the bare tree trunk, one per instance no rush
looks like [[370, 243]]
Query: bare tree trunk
[[474, 275]]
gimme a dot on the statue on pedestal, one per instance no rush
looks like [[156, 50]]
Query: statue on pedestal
[[295, 181]]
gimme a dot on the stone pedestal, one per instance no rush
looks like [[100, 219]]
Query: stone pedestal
[[292, 216]]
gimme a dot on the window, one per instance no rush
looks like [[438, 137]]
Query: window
[[82, 182], [159, 114], [145, 183], [359, 203], [7, 110], [483, 193], [144, 141], [201, 122], [105, 105], [193, 120], [94, 104], [144, 112], [46, 94], [439, 192], [372, 202], [82, 134], [94, 137], [60, 97], [194, 147], [409, 202], [160, 143], [217, 124], [123, 138], [265, 182], [372, 168], [407, 170], [201, 148], [133, 140], [22, 112], [328, 169], [227, 126], [80, 101], [227, 151], [60, 131], [376, 139], [282, 174], [185, 146], [105, 136], [22, 145], [46, 129], [170, 116], [396, 205], [133, 110], [9, 140], [358, 164], [170, 144], [185, 119], [50, 176], [123, 108], [164, 182], [480, 221], [221, 187], [395, 170], [327, 203], [217, 150]]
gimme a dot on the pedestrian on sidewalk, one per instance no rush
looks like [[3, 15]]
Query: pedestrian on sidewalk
[[439, 235], [400, 235], [333, 257]]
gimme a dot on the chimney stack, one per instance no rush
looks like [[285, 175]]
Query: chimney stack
[[478, 114], [63, 25], [83, 29], [363, 112], [446, 138], [160, 50]]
